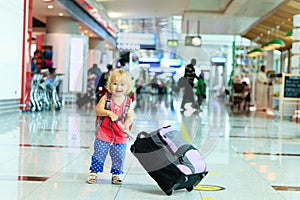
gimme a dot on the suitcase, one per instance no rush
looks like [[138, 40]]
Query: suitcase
[[169, 159]]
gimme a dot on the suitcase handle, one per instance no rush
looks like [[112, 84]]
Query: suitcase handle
[[142, 134], [127, 131]]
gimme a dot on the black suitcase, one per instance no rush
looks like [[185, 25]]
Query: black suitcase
[[161, 162]]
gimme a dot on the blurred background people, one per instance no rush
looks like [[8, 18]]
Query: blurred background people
[[189, 72], [262, 90], [187, 84], [154, 85], [200, 91], [139, 82], [101, 82], [188, 93], [94, 70]]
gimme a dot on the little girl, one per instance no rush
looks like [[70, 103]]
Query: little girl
[[111, 137]]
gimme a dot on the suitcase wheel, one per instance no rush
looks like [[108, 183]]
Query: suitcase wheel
[[169, 193], [186, 179], [132, 149], [189, 189]]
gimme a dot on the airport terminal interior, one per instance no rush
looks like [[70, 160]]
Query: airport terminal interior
[[46, 155], [241, 111]]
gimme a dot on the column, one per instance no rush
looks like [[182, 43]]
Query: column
[[94, 53], [26, 62], [270, 61], [97, 53], [70, 51], [295, 59]]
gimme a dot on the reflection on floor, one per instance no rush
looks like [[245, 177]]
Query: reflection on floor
[[46, 155]]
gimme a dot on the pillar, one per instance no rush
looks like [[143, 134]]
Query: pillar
[[270, 61], [26, 59], [70, 51], [295, 59], [97, 53]]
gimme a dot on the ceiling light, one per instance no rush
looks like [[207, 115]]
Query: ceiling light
[[50, 6], [274, 44], [255, 52], [61, 14], [289, 35], [277, 43], [266, 46], [114, 14]]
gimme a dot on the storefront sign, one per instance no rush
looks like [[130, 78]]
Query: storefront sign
[[290, 90], [291, 86]]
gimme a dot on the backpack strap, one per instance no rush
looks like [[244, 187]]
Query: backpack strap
[[127, 106], [107, 106]]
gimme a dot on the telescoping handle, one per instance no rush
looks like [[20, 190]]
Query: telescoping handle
[[127, 131], [143, 134]]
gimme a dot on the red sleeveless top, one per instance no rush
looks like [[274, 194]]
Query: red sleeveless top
[[110, 131]]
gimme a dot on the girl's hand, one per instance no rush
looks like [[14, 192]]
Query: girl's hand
[[126, 126], [113, 117]]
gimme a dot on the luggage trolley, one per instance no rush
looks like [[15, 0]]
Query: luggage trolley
[[38, 95], [52, 84]]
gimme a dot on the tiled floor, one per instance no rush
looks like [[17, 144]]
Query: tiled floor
[[46, 155]]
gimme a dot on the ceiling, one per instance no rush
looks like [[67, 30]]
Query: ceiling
[[215, 16], [40, 11], [249, 18], [275, 25]]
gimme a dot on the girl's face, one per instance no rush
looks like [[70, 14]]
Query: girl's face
[[119, 87]]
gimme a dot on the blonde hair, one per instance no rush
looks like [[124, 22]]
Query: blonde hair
[[116, 76]]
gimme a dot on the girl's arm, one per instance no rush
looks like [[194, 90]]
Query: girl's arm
[[101, 111]]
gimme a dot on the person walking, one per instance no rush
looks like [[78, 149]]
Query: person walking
[[187, 83], [189, 72], [154, 85], [110, 136], [200, 91], [139, 82]]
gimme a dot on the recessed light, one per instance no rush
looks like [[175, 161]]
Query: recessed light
[[61, 14], [50, 6]]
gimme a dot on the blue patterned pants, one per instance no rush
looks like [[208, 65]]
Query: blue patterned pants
[[117, 153]]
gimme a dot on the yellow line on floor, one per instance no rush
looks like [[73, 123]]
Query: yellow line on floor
[[213, 173], [184, 132]]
